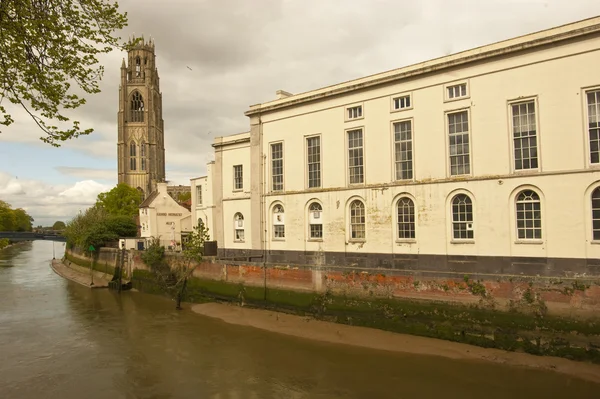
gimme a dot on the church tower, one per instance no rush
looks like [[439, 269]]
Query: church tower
[[140, 147]]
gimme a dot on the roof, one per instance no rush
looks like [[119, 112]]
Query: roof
[[146, 203], [520, 43]]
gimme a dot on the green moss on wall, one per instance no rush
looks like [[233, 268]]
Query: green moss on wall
[[98, 266]]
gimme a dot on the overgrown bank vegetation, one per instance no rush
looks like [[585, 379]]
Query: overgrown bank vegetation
[[112, 217], [14, 219], [172, 278]]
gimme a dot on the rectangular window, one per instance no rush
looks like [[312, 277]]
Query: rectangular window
[[458, 131], [402, 102], [354, 112], [279, 231], [316, 231], [525, 135], [355, 156], [238, 177], [313, 145], [143, 163], [132, 163], [277, 166], [199, 195], [457, 91], [593, 114], [403, 150]]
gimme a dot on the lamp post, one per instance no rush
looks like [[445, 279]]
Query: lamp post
[[92, 249], [53, 256]]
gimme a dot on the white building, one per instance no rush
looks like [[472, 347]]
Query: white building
[[163, 218], [486, 160]]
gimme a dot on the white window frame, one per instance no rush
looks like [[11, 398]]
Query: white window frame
[[473, 223], [271, 185], [311, 217], [235, 177], [470, 135], [236, 227], [586, 129], [393, 147], [349, 213], [199, 195], [347, 109], [275, 222], [347, 156], [306, 159], [399, 96], [448, 86], [511, 136], [396, 230]]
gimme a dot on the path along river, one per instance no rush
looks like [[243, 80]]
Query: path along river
[[62, 340]]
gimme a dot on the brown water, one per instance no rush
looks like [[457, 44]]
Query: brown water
[[61, 340]]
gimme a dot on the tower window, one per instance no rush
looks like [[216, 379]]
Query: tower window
[[132, 156], [143, 155], [138, 67], [137, 107]]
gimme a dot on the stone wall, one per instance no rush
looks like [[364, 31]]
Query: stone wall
[[541, 315]]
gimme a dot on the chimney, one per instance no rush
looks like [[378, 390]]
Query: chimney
[[282, 94]]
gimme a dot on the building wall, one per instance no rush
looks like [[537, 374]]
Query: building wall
[[164, 218], [563, 180], [202, 204]]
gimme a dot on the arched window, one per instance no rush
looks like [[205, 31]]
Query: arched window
[[462, 217], [315, 212], [238, 227], [596, 214], [529, 216], [137, 107], [278, 222], [357, 220], [406, 218], [143, 155], [132, 156], [138, 67]]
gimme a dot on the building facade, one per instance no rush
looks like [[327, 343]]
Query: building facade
[[482, 161], [140, 145], [163, 218]]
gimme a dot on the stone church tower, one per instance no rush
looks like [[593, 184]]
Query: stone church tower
[[140, 147]]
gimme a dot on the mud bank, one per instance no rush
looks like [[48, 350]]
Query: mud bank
[[309, 328]]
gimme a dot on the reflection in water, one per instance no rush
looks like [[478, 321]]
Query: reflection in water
[[62, 340]]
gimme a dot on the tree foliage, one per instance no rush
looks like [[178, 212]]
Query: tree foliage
[[98, 228], [182, 197], [48, 46], [122, 200], [14, 219], [58, 225], [172, 278]]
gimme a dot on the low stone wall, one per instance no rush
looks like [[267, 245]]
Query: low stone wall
[[106, 261]]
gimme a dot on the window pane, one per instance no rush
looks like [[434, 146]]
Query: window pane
[[458, 128]]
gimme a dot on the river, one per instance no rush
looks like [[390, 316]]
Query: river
[[62, 340]]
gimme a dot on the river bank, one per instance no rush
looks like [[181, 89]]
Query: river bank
[[310, 328], [79, 275], [11, 244]]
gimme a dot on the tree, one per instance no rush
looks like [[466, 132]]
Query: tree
[[23, 222], [173, 278], [122, 200], [182, 197], [96, 227], [14, 219], [58, 225], [47, 46]]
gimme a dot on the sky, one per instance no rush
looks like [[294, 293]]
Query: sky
[[216, 58]]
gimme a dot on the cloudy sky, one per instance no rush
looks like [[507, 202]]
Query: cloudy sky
[[239, 52]]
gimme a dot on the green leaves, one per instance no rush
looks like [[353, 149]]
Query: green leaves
[[122, 200], [14, 219], [46, 47]]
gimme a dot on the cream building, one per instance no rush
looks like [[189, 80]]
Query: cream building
[[202, 201], [163, 218], [486, 160]]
